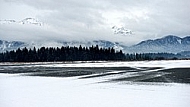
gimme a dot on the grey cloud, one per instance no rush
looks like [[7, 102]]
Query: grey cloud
[[93, 19]]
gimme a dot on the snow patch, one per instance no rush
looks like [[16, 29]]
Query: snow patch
[[179, 41]]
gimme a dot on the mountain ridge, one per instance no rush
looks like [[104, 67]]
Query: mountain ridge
[[168, 44], [13, 45]]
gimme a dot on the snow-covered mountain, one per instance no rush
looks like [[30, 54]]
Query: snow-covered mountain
[[100, 43], [13, 45], [170, 44], [121, 30], [31, 21]]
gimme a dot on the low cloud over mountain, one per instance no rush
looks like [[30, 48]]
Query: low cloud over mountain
[[169, 44]]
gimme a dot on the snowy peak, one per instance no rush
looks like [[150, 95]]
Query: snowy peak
[[31, 21], [121, 30], [168, 40]]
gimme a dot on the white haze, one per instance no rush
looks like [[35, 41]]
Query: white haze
[[92, 20]]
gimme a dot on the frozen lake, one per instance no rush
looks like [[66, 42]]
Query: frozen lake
[[95, 84]]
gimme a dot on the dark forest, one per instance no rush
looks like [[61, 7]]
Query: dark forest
[[93, 53], [62, 54]]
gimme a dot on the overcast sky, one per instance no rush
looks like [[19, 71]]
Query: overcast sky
[[93, 19]]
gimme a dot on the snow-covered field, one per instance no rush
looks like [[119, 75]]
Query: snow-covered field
[[23, 90]]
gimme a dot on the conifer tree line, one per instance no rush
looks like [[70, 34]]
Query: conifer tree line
[[44, 54], [93, 53], [151, 56]]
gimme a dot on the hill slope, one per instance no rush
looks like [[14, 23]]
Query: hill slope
[[170, 44]]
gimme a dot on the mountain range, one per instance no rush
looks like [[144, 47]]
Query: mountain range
[[169, 44], [31, 21], [13, 45]]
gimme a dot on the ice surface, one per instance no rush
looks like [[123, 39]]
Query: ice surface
[[34, 91], [164, 63]]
